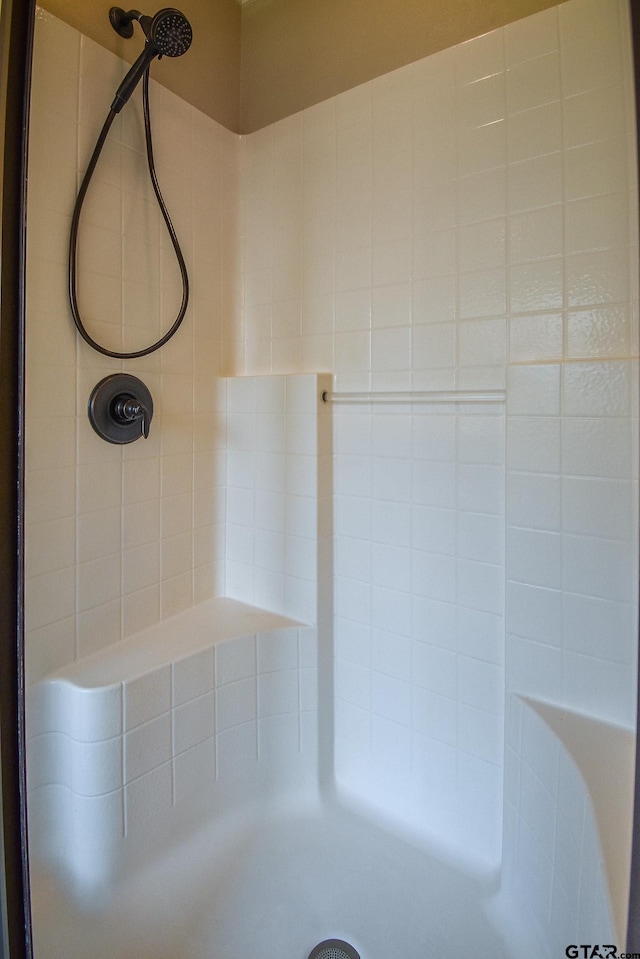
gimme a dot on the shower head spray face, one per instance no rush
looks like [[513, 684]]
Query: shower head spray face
[[170, 32]]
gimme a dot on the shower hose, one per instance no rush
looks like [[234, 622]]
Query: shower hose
[[73, 240]]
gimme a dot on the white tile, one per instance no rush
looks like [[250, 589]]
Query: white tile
[[235, 704], [434, 437], [531, 37], [390, 481], [481, 102], [597, 507], [433, 529], [193, 723], [538, 285], [536, 182], [598, 567], [236, 753], [585, 674], [148, 800], [481, 439], [597, 389], [391, 435], [194, 771], [604, 332], [309, 692], [481, 537], [235, 659], [353, 641], [278, 741], [594, 168], [593, 446], [534, 501], [278, 692], [435, 669], [353, 684], [534, 557], [391, 349], [480, 634], [481, 685], [192, 677], [480, 57], [533, 82], [595, 278], [535, 132], [534, 612], [433, 621], [434, 715], [536, 234], [538, 337], [482, 342], [480, 488], [533, 443], [534, 390], [391, 654], [433, 575], [434, 346], [598, 627], [596, 62], [480, 585], [535, 668], [147, 747], [434, 484], [353, 600], [391, 698], [596, 223], [147, 697], [391, 744], [480, 734], [394, 525], [390, 566], [277, 650], [482, 293], [391, 609]]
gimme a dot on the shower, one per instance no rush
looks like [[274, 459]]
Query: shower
[[341, 660], [169, 34]]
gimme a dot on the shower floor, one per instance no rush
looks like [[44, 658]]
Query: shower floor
[[274, 892]]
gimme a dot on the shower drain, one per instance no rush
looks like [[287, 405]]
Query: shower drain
[[333, 949]]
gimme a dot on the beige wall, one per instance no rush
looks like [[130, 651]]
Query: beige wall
[[207, 77], [297, 52]]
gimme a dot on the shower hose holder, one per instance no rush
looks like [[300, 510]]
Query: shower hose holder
[[121, 408]]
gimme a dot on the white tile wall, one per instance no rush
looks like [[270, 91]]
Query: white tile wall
[[119, 538], [465, 222]]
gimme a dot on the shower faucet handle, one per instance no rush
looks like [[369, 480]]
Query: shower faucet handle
[[127, 409]]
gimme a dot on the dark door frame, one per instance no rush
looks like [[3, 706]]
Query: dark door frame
[[633, 925], [16, 42]]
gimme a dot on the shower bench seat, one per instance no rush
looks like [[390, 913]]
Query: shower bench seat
[[188, 632], [130, 745]]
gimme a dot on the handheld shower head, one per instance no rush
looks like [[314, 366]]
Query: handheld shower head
[[169, 30], [168, 34]]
